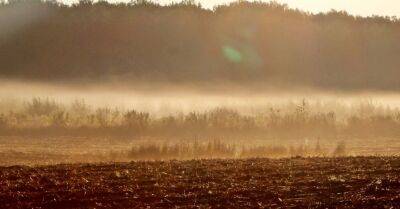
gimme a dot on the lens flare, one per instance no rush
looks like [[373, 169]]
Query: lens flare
[[232, 54]]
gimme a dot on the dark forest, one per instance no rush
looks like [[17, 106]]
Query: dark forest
[[260, 45]]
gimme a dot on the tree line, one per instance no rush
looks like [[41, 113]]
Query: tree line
[[247, 44]]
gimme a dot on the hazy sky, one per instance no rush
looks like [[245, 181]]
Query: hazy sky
[[356, 7]]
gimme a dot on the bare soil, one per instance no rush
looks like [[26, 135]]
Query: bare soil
[[352, 182]]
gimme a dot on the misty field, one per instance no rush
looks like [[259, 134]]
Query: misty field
[[354, 182], [167, 104], [43, 131]]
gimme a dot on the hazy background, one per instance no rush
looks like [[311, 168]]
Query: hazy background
[[180, 51], [96, 80]]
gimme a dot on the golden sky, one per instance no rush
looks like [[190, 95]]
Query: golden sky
[[356, 7]]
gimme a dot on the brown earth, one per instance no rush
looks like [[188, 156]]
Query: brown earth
[[356, 182]]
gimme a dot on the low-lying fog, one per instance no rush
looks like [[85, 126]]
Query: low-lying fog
[[159, 102], [165, 101]]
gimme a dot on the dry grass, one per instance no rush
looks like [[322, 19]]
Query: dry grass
[[45, 117]]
